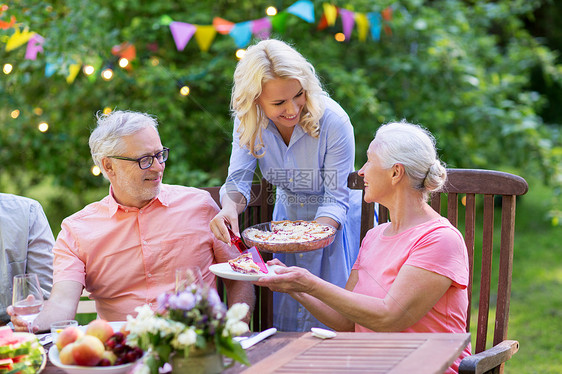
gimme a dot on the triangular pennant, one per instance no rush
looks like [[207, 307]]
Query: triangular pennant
[[362, 25], [242, 33], [73, 71], [125, 50], [18, 39], [387, 14], [8, 25], [261, 28], [182, 33], [323, 23], [222, 26], [279, 22], [375, 23], [50, 69], [331, 13], [348, 21], [34, 46], [204, 35], [303, 9]]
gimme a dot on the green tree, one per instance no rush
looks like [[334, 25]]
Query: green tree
[[463, 69]]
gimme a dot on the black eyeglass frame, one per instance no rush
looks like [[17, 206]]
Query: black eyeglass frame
[[164, 152]]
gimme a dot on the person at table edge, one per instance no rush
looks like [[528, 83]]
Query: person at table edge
[[411, 274], [125, 248], [26, 246]]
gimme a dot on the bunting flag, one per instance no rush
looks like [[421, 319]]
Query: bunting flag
[[204, 35], [242, 33], [34, 46], [331, 13], [303, 9], [8, 25], [261, 28], [73, 71], [182, 33], [362, 26], [366, 24], [222, 26], [348, 21], [279, 21], [18, 39], [375, 22]]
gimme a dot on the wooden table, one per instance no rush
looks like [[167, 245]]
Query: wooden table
[[287, 352]]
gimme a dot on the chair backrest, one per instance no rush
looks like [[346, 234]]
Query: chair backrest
[[477, 190], [260, 209]]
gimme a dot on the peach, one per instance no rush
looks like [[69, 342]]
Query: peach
[[87, 351], [100, 328], [65, 356], [67, 336]]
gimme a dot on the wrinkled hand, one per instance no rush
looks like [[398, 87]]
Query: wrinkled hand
[[288, 279], [19, 324], [219, 224]]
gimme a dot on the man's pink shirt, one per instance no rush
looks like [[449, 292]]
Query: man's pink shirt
[[436, 246], [126, 257]]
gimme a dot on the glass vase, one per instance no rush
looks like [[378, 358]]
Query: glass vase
[[199, 361]]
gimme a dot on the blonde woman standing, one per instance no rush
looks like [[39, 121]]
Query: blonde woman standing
[[303, 142]]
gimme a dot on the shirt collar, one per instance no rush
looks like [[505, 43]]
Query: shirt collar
[[298, 132], [162, 199]]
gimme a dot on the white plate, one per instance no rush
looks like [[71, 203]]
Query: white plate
[[224, 270], [76, 369]]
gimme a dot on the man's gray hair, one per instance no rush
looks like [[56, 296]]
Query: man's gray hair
[[106, 139]]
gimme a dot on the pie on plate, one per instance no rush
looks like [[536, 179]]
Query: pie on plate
[[244, 264]]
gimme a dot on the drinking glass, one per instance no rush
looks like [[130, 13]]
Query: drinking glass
[[27, 298], [188, 276], [57, 327]]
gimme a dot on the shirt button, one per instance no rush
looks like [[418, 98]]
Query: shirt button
[[302, 204], [149, 275], [126, 210], [140, 211], [300, 310], [144, 242], [290, 179], [301, 255], [149, 304]]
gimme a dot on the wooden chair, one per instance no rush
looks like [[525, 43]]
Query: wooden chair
[[260, 209], [479, 187]]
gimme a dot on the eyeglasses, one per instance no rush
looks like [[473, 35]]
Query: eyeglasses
[[146, 161]]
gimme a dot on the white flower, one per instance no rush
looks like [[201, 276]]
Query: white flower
[[185, 339], [237, 328], [237, 312]]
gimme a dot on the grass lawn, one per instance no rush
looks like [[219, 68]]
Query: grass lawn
[[536, 302]]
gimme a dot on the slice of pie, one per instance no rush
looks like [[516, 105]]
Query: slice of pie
[[244, 264]]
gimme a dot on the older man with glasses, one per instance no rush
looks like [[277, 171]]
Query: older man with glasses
[[125, 248]]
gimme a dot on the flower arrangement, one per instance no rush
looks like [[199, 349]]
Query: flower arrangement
[[185, 322]]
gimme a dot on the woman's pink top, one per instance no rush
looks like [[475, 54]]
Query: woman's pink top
[[436, 246]]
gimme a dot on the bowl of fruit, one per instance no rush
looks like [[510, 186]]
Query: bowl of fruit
[[100, 347]]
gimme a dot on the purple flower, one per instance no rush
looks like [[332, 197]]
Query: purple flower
[[184, 301], [163, 300], [213, 298]]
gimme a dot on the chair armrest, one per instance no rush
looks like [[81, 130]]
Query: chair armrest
[[487, 360]]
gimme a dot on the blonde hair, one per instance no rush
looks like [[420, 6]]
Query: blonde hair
[[264, 61]]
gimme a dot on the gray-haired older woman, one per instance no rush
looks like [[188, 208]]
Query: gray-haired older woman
[[411, 273]]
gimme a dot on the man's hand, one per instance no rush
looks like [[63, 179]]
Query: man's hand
[[19, 323]]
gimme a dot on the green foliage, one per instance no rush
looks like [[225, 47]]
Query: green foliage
[[463, 69]]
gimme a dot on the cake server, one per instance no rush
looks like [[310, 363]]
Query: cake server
[[242, 248]]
